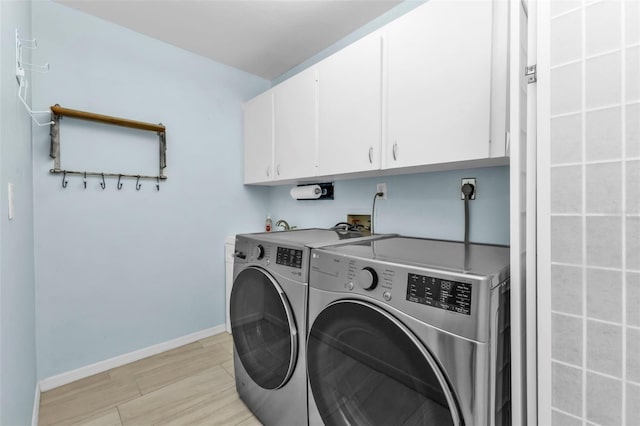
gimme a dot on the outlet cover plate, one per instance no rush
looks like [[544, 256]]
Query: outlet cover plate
[[382, 187], [471, 181]]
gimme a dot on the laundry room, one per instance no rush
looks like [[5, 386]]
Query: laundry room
[[146, 147]]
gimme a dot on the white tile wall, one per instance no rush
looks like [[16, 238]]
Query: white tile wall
[[633, 299], [604, 400], [600, 17], [603, 134], [604, 295], [567, 289], [566, 139], [602, 80], [595, 212]]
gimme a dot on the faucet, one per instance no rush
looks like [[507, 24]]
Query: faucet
[[284, 224]]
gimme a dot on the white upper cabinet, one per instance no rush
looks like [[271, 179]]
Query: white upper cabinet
[[295, 118], [439, 84], [427, 91], [258, 139], [350, 108]]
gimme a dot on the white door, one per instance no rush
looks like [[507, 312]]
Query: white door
[[258, 139], [439, 84], [350, 108], [295, 114], [523, 222]]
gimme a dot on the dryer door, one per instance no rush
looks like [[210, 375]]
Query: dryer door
[[366, 367], [264, 330]]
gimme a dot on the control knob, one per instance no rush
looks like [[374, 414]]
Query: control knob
[[368, 278], [258, 251]]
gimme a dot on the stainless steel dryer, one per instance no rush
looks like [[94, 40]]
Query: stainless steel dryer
[[407, 331], [268, 311]]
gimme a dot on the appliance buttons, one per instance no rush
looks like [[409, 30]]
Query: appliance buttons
[[386, 295]]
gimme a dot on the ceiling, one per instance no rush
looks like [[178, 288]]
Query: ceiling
[[263, 37]]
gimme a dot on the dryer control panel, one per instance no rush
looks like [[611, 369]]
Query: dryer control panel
[[289, 257], [440, 293], [287, 261]]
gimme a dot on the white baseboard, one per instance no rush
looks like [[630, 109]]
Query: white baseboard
[[101, 366], [36, 406]]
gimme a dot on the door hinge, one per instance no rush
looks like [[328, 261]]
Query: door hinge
[[531, 73]]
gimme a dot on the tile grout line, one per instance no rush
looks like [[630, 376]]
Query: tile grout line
[[623, 79], [584, 219], [587, 58], [165, 384], [566, 12], [599, 268], [595, 162], [179, 379], [120, 415], [566, 413], [592, 109]]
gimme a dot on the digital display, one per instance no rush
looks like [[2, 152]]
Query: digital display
[[443, 294], [289, 257]]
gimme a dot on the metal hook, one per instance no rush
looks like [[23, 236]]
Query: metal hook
[[103, 184], [138, 184], [119, 184], [158, 183], [84, 180], [64, 179]]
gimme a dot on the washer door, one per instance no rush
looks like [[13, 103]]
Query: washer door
[[367, 368], [263, 327]]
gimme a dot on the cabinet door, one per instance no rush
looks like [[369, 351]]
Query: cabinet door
[[439, 78], [295, 113], [349, 108], [258, 139]]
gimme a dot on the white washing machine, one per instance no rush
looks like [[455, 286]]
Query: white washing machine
[[268, 312], [407, 331]]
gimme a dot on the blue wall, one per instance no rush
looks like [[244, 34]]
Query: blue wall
[[421, 205], [17, 331], [117, 271]]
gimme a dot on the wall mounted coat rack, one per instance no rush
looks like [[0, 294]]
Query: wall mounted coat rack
[[21, 75], [57, 112]]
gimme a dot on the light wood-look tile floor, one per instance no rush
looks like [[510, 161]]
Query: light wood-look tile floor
[[189, 385]]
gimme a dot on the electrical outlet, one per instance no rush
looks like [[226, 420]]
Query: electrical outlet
[[470, 181], [382, 187]]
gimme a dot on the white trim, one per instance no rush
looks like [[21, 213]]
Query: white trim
[[36, 406], [544, 212], [101, 366], [531, 290], [623, 243]]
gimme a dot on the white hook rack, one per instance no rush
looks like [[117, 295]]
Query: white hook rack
[[23, 84]]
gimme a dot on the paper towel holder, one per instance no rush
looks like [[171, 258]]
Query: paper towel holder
[[326, 194]]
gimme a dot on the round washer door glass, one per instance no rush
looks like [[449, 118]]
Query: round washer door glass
[[365, 367], [263, 327]]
